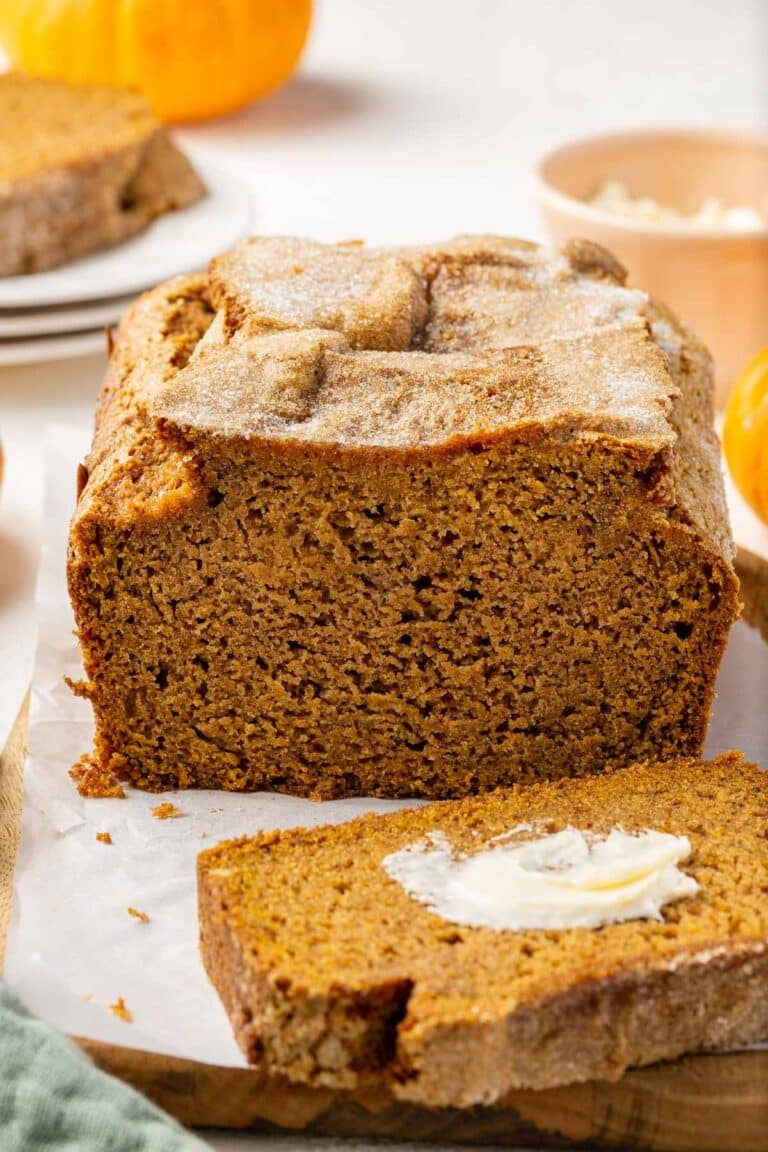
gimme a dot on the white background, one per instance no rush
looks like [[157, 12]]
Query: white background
[[411, 120]]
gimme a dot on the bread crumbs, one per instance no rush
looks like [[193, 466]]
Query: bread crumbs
[[80, 688], [137, 915], [94, 782], [104, 837], [166, 811], [119, 1009]]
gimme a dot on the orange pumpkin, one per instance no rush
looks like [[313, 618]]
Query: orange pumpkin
[[745, 434], [192, 58]]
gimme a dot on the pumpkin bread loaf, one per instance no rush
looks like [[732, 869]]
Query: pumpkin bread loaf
[[331, 972], [81, 168], [406, 522]]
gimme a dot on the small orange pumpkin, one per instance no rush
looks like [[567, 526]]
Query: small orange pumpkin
[[745, 434], [192, 58]]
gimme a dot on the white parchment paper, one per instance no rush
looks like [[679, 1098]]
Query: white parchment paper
[[73, 948]]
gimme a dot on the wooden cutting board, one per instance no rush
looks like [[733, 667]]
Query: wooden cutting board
[[714, 1103]]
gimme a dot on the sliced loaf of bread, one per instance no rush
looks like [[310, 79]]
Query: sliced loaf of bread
[[417, 522], [332, 972]]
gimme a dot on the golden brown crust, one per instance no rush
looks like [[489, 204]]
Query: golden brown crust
[[350, 977], [363, 349], [556, 343], [271, 284]]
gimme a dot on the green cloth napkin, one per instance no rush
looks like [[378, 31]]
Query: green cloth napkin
[[53, 1099]]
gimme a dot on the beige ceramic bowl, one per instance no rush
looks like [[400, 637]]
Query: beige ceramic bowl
[[717, 281]]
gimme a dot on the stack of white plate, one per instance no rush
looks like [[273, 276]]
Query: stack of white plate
[[62, 313]]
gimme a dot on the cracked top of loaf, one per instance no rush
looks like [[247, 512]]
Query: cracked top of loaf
[[417, 347], [478, 341]]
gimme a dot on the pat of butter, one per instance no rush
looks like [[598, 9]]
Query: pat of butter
[[533, 879]]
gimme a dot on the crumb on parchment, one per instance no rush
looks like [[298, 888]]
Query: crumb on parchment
[[94, 782], [104, 837], [166, 811], [137, 915], [80, 688], [119, 1009]]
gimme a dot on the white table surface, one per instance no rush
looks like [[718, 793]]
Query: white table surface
[[411, 120]]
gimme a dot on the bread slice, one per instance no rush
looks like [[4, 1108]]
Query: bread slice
[[81, 168], [411, 522], [332, 973]]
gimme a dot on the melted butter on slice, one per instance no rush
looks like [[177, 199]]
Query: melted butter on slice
[[559, 880]]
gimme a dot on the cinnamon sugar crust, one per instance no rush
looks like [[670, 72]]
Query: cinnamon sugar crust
[[407, 522], [343, 346]]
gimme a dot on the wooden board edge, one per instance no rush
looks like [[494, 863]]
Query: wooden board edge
[[11, 793], [708, 1103]]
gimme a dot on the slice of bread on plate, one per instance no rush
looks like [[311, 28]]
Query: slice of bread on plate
[[81, 168], [333, 972]]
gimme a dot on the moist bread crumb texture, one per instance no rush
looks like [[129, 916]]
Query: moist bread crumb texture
[[413, 522], [454, 1015]]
